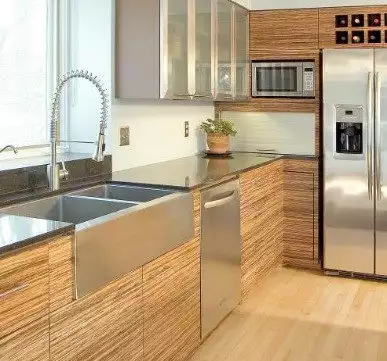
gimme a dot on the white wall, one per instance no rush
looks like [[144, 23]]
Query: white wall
[[157, 131], [90, 41], [156, 127], [286, 4]]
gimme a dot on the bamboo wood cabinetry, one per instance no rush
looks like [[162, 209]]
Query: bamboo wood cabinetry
[[24, 305], [107, 325], [153, 313], [301, 213], [279, 218], [172, 304], [261, 222], [282, 32]]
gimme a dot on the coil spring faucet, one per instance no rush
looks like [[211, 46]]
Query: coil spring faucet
[[54, 173]]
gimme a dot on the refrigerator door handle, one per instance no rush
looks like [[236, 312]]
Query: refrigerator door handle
[[378, 135], [370, 133]]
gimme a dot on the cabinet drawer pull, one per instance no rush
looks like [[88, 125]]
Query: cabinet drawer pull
[[13, 290]]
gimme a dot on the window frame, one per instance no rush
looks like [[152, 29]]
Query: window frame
[[57, 63]]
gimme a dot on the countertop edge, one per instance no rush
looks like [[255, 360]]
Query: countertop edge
[[36, 240], [231, 174]]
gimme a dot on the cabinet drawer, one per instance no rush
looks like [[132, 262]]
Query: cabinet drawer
[[24, 285]]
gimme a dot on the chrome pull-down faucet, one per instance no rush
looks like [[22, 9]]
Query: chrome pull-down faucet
[[53, 170]]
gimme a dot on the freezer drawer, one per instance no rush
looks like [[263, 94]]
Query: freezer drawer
[[220, 254]]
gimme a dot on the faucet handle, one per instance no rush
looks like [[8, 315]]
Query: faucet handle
[[63, 173]]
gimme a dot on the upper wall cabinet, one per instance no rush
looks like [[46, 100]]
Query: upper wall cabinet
[[181, 49], [232, 55], [175, 59], [277, 32], [225, 75], [203, 49], [242, 53]]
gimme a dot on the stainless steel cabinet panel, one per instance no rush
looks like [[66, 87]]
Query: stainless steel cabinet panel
[[175, 56], [204, 49], [181, 49], [225, 59], [137, 49], [241, 40]]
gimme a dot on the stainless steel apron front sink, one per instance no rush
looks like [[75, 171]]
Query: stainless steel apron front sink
[[124, 193], [117, 228]]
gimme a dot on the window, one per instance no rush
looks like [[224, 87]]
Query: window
[[26, 72]]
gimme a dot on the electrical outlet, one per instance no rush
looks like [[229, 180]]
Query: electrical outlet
[[186, 129], [124, 136]]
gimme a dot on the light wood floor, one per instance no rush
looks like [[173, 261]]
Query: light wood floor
[[297, 315]]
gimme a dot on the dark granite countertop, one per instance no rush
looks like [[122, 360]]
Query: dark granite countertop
[[17, 232], [192, 172], [26, 196], [185, 173]]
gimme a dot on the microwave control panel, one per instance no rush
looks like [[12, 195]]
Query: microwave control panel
[[308, 79]]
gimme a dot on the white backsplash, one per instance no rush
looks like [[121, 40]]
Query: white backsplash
[[285, 133]]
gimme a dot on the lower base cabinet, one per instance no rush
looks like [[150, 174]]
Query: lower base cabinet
[[106, 325], [24, 305], [172, 304], [301, 213], [153, 313], [261, 222]]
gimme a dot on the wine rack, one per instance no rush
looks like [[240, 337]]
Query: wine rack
[[359, 32], [362, 26]]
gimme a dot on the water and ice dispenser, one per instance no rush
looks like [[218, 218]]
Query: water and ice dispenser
[[349, 129]]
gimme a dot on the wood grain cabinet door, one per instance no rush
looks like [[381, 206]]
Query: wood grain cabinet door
[[261, 222], [106, 325], [279, 31], [299, 216], [30, 343], [24, 305], [24, 288], [171, 298]]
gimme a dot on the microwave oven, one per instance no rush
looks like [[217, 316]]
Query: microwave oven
[[290, 79]]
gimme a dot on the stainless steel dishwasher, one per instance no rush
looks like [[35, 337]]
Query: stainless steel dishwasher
[[220, 254]]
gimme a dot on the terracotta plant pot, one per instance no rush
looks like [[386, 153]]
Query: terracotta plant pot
[[218, 143]]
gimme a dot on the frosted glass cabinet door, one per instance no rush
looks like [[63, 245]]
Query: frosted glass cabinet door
[[224, 72], [174, 47], [241, 53], [204, 76]]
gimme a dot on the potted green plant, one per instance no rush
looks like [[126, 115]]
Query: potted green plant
[[218, 132]]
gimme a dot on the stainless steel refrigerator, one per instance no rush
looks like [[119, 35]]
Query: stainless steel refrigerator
[[355, 160]]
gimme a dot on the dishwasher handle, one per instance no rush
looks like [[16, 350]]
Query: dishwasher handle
[[220, 202]]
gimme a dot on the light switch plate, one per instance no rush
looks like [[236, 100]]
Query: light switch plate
[[124, 136]]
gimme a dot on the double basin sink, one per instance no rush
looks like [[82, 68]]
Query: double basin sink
[[118, 228]]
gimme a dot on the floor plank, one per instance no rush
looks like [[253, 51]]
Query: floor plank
[[297, 315]]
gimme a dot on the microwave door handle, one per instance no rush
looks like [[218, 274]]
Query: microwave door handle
[[254, 90]]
